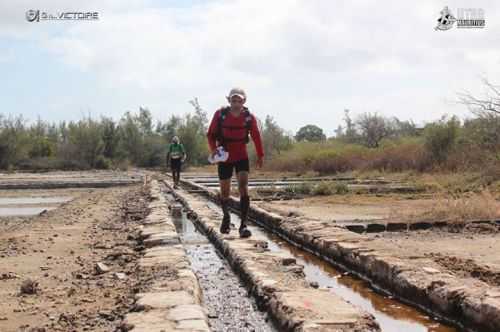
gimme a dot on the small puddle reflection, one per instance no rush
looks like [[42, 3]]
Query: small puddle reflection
[[390, 314], [34, 200], [29, 206], [23, 211], [393, 316]]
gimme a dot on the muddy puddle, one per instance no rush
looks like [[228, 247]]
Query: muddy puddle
[[226, 299], [390, 314], [393, 316]]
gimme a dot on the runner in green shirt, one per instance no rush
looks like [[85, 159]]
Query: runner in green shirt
[[176, 155]]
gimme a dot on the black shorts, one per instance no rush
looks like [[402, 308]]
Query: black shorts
[[225, 170], [175, 164]]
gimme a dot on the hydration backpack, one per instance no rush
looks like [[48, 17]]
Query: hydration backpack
[[220, 125]]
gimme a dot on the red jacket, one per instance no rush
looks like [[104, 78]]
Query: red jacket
[[237, 150]]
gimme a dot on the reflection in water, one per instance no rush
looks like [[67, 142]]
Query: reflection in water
[[390, 314], [29, 206], [187, 231], [34, 200], [23, 211]]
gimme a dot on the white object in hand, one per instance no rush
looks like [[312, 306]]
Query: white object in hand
[[220, 155]]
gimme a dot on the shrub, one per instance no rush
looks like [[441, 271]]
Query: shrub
[[323, 189], [47, 164], [340, 188], [441, 137], [102, 163], [302, 188], [331, 162], [400, 155]]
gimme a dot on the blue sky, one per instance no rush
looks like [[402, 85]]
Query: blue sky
[[300, 61]]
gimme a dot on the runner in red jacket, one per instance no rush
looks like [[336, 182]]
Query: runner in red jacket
[[231, 127]]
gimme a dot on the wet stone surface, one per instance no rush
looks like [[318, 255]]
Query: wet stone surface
[[392, 316], [228, 304], [229, 307]]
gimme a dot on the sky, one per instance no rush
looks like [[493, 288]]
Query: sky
[[300, 61]]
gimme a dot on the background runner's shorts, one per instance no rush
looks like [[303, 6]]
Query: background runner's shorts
[[175, 164], [225, 170]]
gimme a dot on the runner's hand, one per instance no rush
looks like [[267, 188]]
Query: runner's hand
[[259, 163]]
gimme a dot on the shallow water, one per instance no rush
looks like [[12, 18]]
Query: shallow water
[[392, 315], [23, 211], [34, 200]]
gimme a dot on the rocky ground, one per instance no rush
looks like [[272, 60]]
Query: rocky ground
[[72, 268]]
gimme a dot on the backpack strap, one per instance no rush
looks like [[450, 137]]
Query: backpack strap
[[219, 134], [248, 124]]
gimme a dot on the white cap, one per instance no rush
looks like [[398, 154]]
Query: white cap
[[237, 92]]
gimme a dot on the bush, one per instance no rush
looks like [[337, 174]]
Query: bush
[[289, 189], [49, 164], [400, 155], [340, 188], [302, 188], [102, 163], [323, 189], [342, 160], [325, 158], [441, 137], [37, 164]]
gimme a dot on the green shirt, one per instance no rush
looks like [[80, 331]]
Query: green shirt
[[176, 151]]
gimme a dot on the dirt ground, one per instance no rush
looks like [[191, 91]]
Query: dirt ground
[[471, 252], [59, 175], [353, 207], [49, 280]]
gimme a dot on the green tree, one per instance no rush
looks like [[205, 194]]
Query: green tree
[[274, 137], [350, 133], [169, 129], [310, 133], [13, 140], [110, 137], [131, 139], [40, 144], [191, 133], [145, 121], [85, 136], [441, 137]]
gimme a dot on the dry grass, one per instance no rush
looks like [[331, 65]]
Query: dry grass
[[472, 206]]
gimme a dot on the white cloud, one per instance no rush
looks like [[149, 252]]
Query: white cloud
[[301, 61]]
